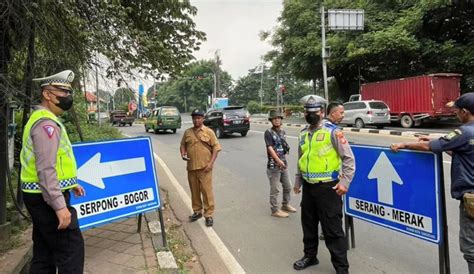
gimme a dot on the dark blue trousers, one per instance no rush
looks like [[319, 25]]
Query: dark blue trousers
[[53, 249], [320, 203]]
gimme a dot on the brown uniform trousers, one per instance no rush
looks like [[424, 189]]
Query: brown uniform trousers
[[201, 182]]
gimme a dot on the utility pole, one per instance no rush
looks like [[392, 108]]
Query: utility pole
[[214, 93], [261, 86], [323, 54], [279, 107], [85, 93], [185, 103], [97, 89], [217, 76]]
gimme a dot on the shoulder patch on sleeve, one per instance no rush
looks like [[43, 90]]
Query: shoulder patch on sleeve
[[453, 134], [341, 137], [49, 130]]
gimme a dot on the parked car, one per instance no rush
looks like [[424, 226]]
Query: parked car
[[164, 118], [120, 117], [228, 120], [362, 113]]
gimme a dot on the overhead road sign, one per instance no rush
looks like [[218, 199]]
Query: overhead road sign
[[119, 179], [399, 191], [346, 19]]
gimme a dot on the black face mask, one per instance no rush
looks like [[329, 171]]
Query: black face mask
[[65, 103], [312, 118]]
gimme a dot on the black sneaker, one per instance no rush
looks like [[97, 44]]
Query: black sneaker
[[196, 216], [209, 221], [305, 262]]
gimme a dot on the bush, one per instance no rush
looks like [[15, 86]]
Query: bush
[[93, 132], [253, 107]]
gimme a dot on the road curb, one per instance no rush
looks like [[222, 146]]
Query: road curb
[[15, 260], [166, 260], [369, 130]]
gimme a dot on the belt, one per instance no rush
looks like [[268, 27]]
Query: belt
[[320, 182]]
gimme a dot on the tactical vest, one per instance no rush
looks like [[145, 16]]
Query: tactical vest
[[66, 169], [319, 161]]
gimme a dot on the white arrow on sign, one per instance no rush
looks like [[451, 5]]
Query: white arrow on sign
[[385, 174], [93, 171]]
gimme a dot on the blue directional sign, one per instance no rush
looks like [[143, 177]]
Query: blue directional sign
[[119, 178], [398, 190]]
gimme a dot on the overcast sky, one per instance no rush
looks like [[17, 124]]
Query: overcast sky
[[233, 27]]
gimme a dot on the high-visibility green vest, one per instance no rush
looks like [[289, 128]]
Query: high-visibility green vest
[[66, 168], [319, 161]]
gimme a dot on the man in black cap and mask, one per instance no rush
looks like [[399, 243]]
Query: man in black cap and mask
[[326, 166], [460, 145], [48, 174]]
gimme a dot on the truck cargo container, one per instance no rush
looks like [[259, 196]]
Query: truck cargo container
[[416, 99]]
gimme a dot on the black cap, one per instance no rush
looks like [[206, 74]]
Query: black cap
[[197, 112], [466, 101]]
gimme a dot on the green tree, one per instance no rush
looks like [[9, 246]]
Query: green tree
[[123, 37], [193, 88], [247, 87], [400, 38], [123, 96]]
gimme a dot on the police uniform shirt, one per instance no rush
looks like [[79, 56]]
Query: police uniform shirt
[[461, 143], [329, 123], [274, 139], [45, 135], [341, 145], [200, 154]]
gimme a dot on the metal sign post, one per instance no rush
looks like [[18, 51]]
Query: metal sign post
[[443, 248]]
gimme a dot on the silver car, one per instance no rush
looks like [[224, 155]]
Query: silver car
[[362, 113]]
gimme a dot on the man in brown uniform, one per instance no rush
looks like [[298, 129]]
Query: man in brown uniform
[[199, 147]]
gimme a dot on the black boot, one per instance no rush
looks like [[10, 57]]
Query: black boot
[[305, 262]]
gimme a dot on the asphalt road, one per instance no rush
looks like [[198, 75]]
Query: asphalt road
[[264, 244]]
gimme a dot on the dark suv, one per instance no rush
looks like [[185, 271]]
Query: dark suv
[[228, 120]]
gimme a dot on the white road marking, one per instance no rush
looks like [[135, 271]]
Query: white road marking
[[229, 260]]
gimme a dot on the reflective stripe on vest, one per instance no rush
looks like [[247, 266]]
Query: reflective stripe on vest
[[319, 161], [65, 162]]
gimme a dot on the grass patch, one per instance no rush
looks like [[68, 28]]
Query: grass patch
[[178, 242]]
